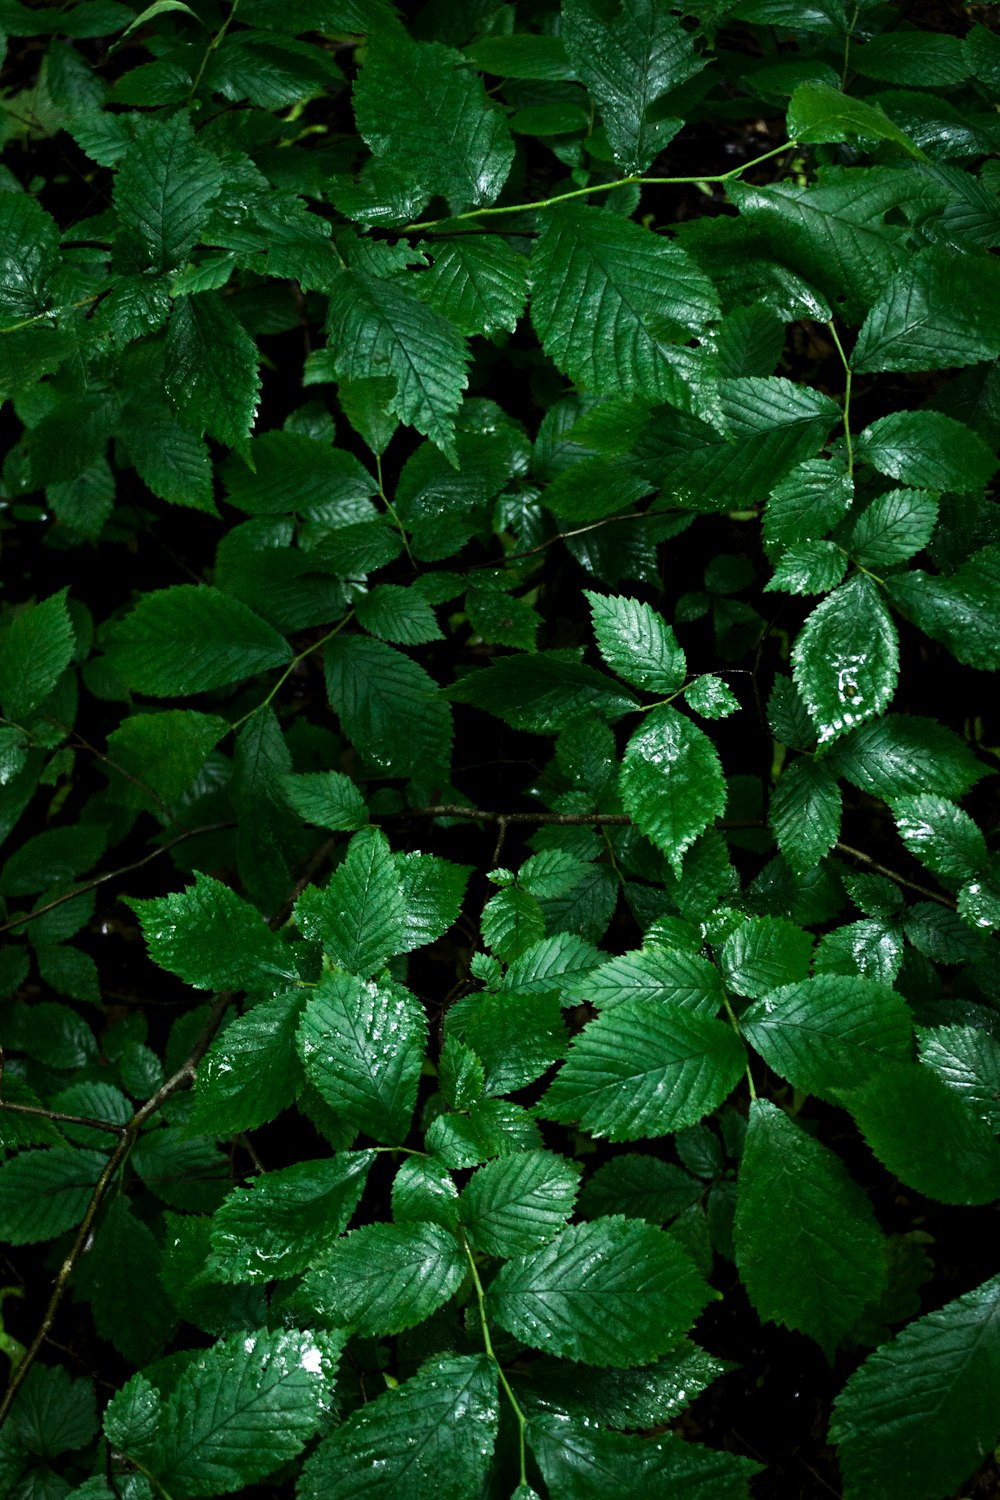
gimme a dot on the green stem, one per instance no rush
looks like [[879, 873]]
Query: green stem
[[736, 1027], [212, 46], [599, 187], [488, 1346], [291, 668], [391, 509], [847, 396], [51, 312]]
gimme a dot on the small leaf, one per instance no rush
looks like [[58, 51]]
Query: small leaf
[[513, 1204], [805, 812], [661, 974], [511, 922], [846, 658], [763, 953], [820, 113], [234, 1091], [188, 639], [358, 917], [211, 369], [710, 697], [397, 614], [36, 647], [637, 643], [960, 610], [384, 1278], [328, 799], [481, 288], [942, 836], [809, 568], [613, 1292], [671, 782], [542, 691], [492, 1127]]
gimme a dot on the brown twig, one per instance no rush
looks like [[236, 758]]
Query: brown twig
[[911, 885], [55, 1114]]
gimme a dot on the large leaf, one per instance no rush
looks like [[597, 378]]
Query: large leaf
[[922, 1411], [627, 64], [383, 1278], [388, 706], [900, 755], [846, 658], [430, 1438], [644, 291], [637, 643], [942, 836], [613, 1292], [659, 974], [362, 1045], [163, 188], [358, 917], [242, 1408], [829, 1032], [581, 1461], [763, 953], [234, 1092], [818, 112], [213, 939], [292, 472], [480, 287], [960, 610], [36, 647], [645, 1068], [45, 1192], [419, 103], [376, 328], [942, 310], [928, 450], [808, 1249], [671, 782], [211, 369], [188, 639], [515, 1203]]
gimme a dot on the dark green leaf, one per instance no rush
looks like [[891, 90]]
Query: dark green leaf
[[388, 706], [211, 369], [213, 939], [384, 1278], [516, 1203], [637, 643], [36, 647], [44, 1192], [542, 691], [763, 953], [960, 610], [188, 639], [846, 658], [163, 188], [927, 450], [358, 917], [671, 782]]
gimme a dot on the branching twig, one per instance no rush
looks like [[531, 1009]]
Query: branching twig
[[911, 885]]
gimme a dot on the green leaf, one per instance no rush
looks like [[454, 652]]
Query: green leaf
[[646, 293], [163, 189], [580, 1461], [807, 504], [900, 755], [481, 288], [968, 1061], [643, 1069], [819, 113], [637, 643], [511, 922], [460, 1074], [809, 568], [188, 639], [828, 1033], [211, 369], [233, 1091], [513, 1204], [613, 1292], [432, 890], [132, 1312], [327, 798], [44, 1192], [516, 1037], [385, 1278], [640, 1187], [893, 528], [542, 691], [709, 696], [419, 103], [359, 915], [397, 614], [808, 1249], [662, 975], [292, 472], [388, 706], [492, 1127], [521, 55], [30, 238], [280, 1225], [54, 1413], [628, 64], [960, 610], [164, 751], [942, 836], [424, 1191], [846, 658], [805, 812], [916, 1419], [763, 953], [940, 311], [242, 1408], [431, 1436], [671, 782], [212, 938], [36, 647], [375, 328], [362, 1045], [925, 1134], [928, 450]]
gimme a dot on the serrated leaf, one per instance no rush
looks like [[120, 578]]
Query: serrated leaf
[[645, 292], [432, 890], [918, 1416], [643, 1069], [358, 917], [640, 1187], [900, 755], [242, 1408], [515, 1036], [818, 113], [388, 706], [44, 1192], [542, 691], [590, 1294], [941, 835], [376, 328], [764, 953], [807, 504], [805, 812], [481, 288], [709, 696], [163, 188], [292, 472], [640, 1398], [516, 1203], [131, 1312], [845, 658], [808, 1249], [212, 938], [939, 312], [960, 610], [362, 1045], [666, 976], [491, 1127], [188, 639], [423, 1191], [628, 64], [397, 614], [430, 1438], [163, 751], [580, 1461], [210, 372], [551, 965], [280, 1225], [460, 1074], [54, 1413], [809, 568], [671, 782], [511, 922], [637, 643], [36, 647], [893, 528], [384, 1278], [968, 1061], [327, 798], [418, 103], [925, 1134], [827, 1033], [30, 239], [928, 450]]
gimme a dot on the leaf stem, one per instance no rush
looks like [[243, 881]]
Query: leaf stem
[[734, 1023], [491, 1354], [291, 668], [212, 46], [847, 396], [391, 509], [599, 187]]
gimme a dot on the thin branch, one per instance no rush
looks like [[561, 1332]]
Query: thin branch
[[91, 885], [911, 885], [55, 1114], [482, 815]]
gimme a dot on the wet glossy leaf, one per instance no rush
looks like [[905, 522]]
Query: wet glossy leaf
[[637, 643], [383, 1278], [846, 658], [671, 782], [584, 1462], [515, 1203]]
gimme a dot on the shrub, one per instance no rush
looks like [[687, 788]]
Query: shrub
[[497, 506]]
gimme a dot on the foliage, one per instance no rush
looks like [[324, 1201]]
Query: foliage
[[498, 502]]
